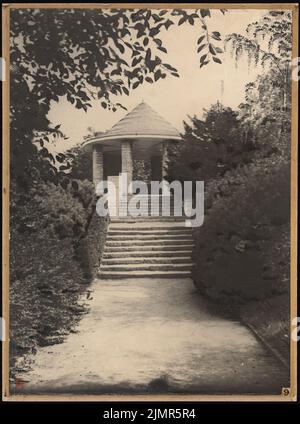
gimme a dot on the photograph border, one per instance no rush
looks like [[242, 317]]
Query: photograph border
[[288, 394]]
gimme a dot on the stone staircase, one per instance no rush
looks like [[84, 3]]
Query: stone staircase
[[147, 247]]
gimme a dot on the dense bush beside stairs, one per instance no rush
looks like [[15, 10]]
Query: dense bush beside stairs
[[56, 239], [90, 247], [242, 250]]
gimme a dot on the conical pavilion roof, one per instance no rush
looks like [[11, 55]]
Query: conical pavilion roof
[[142, 121]]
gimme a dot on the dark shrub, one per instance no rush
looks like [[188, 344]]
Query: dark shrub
[[242, 248], [55, 244]]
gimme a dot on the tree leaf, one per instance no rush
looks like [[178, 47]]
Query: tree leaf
[[204, 63], [201, 48], [154, 31], [169, 67], [216, 35], [211, 49], [218, 50], [204, 13], [158, 41], [168, 24], [148, 56], [121, 47], [163, 49], [157, 75], [200, 39], [136, 60], [216, 59], [182, 20], [202, 58]]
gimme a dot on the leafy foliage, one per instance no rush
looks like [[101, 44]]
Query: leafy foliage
[[268, 41], [211, 146], [64, 210], [49, 270], [83, 54], [260, 127], [82, 163], [242, 254], [263, 118]]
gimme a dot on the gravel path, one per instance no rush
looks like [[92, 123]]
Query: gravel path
[[155, 336]]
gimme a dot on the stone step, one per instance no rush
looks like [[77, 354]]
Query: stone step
[[156, 242], [143, 274], [147, 260], [155, 205], [147, 267], [158, 247], [134, 237], [154, 208], [147, 247], [147, 231], [153, 226], [150, 213], [147, 219], [146, 253], [149, 199], [143, 203], [155, 212]]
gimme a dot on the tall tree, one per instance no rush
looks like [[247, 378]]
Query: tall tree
[[210, 147], [265, 114], [269, 43]]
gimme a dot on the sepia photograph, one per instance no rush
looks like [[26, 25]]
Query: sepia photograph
[[150, 201]]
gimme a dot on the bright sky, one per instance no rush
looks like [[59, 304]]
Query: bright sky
[[173, 98]]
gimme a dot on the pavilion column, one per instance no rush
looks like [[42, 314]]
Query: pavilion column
[[164, 161], [127, 160], [97, 164]]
